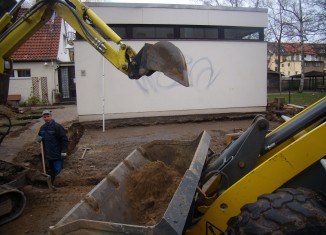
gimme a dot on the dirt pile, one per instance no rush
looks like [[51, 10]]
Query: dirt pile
[[8, 172], [150, 189], [7, 111]]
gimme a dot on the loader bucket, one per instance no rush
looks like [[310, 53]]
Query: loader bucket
[[105, 209], [162, 56]]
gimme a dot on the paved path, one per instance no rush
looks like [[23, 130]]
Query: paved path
[[10, 146]]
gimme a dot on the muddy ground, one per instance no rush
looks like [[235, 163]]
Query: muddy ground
[[107, 149]]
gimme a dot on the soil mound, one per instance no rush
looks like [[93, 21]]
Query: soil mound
[[7, 111], [150, 189]]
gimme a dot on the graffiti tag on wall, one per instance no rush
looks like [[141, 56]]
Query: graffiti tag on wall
[[202, 73]]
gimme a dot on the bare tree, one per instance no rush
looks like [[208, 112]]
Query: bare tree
[[231, 3], [209, 2], [276, 31], [236, 3], [300, 26], [318, 14], [256, 3], [289, 20]]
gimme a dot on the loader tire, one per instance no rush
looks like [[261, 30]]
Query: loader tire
[[287, 211]]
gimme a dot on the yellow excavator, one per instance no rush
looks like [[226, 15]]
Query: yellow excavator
[[264, 182], [162, 56]]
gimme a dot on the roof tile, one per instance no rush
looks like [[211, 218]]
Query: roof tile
[[43, 45]]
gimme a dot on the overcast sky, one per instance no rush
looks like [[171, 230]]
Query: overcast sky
[[153, 1]]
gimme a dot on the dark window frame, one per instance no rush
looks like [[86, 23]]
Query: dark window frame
[[20, 73], [128, 29], [258, 30], [199, 27]]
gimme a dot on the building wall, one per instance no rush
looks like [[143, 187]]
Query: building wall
[[290, 68], [271, 62], [20, 86], [314, 66], [222, 80], [116, 13], [23, 86], [63, 52]]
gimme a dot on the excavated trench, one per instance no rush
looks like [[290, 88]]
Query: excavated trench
[[31, 155]]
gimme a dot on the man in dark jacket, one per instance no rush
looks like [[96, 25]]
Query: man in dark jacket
[[55, 143]]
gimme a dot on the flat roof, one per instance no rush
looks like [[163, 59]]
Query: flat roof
[[174, 6]]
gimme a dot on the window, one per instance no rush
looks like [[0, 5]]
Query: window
[[239, 33], [21, 73], [152, 32], [199, 32], [322, 51], [147, 31]]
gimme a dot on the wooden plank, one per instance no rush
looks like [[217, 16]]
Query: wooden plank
[[14, 97]]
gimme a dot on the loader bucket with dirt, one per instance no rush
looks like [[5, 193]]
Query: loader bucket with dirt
[[107, 208]]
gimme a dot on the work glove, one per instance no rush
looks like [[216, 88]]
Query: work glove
[[38, 139], [63, 155]]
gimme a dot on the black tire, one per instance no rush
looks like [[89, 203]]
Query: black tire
[[5, 125], [287, 211]]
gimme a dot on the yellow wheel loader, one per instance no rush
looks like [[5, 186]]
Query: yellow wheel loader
[[262, 183]]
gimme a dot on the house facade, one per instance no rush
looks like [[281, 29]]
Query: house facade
[[42, 66], [314, 57], [216, 42]]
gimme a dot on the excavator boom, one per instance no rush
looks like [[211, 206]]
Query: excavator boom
[[162, 56]]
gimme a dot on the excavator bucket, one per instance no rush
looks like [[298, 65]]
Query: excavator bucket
[[107, 208], [161, 56]]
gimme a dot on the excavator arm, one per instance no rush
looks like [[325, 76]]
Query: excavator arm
[[162, 56]]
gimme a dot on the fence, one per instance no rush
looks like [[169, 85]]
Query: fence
[[314, 89], [294, 97], [310, 84]]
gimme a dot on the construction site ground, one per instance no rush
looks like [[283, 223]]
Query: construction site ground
[[45, 207]]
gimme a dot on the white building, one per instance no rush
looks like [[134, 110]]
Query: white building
[[42, 66], [224, 49]]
